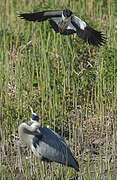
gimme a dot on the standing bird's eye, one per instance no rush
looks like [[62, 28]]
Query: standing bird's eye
[[67, 13], [34, 117]]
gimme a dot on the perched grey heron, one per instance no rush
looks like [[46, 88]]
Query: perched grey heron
[[46, 144], [66, 23]]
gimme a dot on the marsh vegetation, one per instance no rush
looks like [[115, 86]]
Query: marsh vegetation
[[71, 85]]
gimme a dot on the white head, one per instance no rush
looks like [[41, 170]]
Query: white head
[[34, 116]]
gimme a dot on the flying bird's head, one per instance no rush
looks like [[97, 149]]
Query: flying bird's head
[[66, 19], [67, 13]]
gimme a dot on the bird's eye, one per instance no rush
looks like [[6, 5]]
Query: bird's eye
[[34, 117], [67, 13]]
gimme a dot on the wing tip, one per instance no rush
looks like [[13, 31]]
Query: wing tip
[[97, 38], [22, 16]]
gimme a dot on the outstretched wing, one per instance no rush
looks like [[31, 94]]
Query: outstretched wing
[[41, 16], [54, 24], [88, 34]]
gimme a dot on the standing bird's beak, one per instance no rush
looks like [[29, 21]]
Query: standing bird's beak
[[34, 116]]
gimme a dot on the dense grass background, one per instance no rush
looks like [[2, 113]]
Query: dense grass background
[[72, 86]]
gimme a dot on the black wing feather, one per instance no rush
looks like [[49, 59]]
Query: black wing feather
[[90, 35], [67, 32], [41, 16], [54, 25]]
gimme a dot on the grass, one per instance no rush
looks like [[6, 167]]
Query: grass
[[72, 86]]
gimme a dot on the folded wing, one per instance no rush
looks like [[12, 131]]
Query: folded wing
[[53, 148]]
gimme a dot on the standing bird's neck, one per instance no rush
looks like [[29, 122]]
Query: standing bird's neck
[[28, 130]]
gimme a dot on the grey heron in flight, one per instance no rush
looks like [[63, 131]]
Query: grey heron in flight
[[66, 23], [47, 145]]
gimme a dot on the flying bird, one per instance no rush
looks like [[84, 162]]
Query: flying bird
[[46, 144], [67, 23]]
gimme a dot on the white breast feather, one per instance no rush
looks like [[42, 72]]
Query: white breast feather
[[70, 26]]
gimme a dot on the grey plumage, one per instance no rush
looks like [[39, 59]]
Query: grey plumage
[[46, 144], [67, 23]]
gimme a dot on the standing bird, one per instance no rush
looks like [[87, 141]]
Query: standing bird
[[46, 144], [66, 23]]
